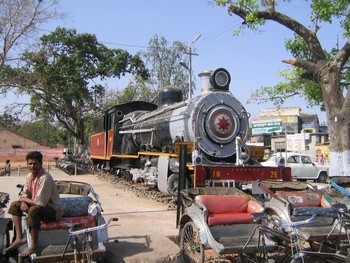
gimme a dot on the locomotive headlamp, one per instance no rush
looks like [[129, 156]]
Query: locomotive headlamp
[[220, 79], [196, 158]]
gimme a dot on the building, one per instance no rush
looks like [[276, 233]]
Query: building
[[14, 146], [12, 140], [289, 129]]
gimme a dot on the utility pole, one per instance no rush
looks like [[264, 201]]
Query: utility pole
[[189, 67]]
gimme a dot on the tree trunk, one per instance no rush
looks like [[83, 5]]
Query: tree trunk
[[339, 135], [338, 122]]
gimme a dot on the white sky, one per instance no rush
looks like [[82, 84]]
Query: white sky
[[253, 59]]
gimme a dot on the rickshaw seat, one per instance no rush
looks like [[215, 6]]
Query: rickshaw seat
[[229, 209], [68, 222], [307, 203], [75, 213], [301, 198]]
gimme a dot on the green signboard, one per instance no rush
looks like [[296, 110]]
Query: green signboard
[[266, 126]]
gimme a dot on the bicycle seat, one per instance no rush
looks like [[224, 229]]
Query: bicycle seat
[[340, 208]]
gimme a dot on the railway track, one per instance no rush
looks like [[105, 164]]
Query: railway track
[[141, 190], [138, 189]]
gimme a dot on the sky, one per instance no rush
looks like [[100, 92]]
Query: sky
[[253, 59]]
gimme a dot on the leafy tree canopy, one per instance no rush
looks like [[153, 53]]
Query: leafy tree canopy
[[305, 46], [163, 62], [321, 76], [44, 133], [9, 121], [65, 76]]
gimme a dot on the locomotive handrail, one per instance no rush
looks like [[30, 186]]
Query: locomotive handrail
[[240, 143], [136, 131], [152, 114]]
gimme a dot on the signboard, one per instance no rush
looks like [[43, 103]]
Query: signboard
[[268, 112], [266, 126], [257, 151], [296, 142], [308, 125]]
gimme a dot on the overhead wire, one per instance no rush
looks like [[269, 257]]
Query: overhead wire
[[211, 41], [214, 40]]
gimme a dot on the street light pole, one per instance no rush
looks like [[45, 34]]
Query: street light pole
[[190, 64]]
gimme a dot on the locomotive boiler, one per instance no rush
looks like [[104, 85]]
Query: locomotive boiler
[[141, 140]]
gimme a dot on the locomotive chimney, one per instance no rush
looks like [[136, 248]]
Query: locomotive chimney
[[215, 80], [205, 81]]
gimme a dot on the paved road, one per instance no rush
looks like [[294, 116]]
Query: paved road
[[145, 227]]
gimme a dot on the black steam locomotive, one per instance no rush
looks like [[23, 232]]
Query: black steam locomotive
[[142, 141]]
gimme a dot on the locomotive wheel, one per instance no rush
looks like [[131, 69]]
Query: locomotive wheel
[[190, 245], [126, 175], [173, 184]]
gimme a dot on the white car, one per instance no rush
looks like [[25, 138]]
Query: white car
[[302, 166]]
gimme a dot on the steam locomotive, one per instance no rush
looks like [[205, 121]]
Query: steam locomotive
[[142, 141]]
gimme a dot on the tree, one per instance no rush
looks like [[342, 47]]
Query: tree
[[164, 68], [66, 74], [137, 89], [318, 74], [19, 23], [37, 131], [9, 121], [164, 64], [43, 132]]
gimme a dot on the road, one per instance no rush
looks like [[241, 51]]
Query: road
[[145, 228]]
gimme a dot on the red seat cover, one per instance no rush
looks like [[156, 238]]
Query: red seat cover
[[68, 222], [229, 218], [229, 209], [218, 204]]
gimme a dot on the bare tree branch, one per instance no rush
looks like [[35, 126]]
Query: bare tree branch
[[271, 14], [19, 21]]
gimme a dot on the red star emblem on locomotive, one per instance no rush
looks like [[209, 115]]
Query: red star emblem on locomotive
[[223, 123]]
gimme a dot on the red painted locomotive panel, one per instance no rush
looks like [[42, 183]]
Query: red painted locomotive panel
[[241, 174], [98, 146], [110, 137]]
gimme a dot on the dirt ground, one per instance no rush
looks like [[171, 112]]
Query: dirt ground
[[15, 166], [145, 227]]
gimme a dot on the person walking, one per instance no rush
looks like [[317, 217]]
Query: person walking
[[40, 200], [7, 168]]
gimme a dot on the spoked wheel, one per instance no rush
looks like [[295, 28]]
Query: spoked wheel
[[5, 243], [173, 184], [88, 251], [193, 250]]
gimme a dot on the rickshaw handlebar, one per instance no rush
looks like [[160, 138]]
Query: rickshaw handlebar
[[73, 232]]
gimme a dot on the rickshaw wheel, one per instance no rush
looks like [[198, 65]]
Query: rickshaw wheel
[[193, 250], [5, 242]]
